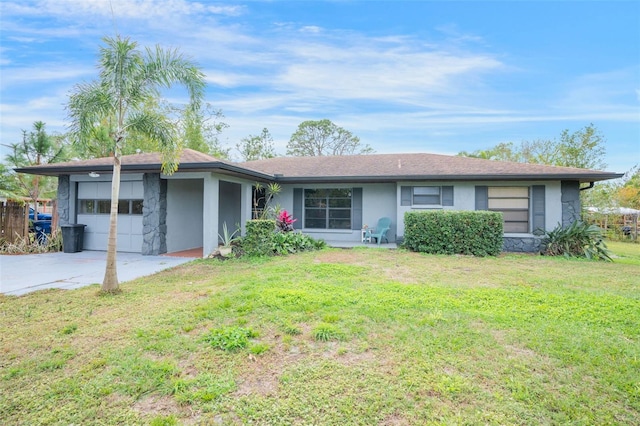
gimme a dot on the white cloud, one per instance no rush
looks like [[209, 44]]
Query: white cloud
[[49, 73], [141, 9], [311, 29]]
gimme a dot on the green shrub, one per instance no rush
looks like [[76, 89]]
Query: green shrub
[[263, 239], [576, 240], [477, 233], [229, 338], [294, 242], [259, 238]]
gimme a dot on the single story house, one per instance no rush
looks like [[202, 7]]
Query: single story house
[[332, 197]]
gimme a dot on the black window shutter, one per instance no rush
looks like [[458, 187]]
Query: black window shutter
[[482, 198], [356, 208], [297, 208], [406, 193], [537, 208], [447, 195]]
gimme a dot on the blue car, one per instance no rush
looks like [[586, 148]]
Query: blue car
[[41, 216], [41, 226]]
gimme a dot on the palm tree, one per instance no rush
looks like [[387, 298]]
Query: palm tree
[[128, 79]]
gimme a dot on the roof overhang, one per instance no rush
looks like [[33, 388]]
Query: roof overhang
[[582, 178], [217, 167]]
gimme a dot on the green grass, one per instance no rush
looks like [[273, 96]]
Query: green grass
[[359, 336]]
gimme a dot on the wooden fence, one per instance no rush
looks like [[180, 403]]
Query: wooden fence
[[14, 221]]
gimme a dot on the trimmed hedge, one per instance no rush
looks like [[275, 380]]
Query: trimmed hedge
[[477, 233], [259, 238]]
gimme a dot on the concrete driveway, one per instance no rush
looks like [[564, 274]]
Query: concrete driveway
[[21, 274]]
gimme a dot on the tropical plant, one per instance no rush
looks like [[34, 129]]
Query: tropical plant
[[576, 240], [128, 78], [262, 198], [227, 237], [285, 221], [284, 243]]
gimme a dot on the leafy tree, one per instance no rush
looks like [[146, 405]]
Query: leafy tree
[[128, 80], [256, 147], [505, 151], [37, 147], [584, 148], [8, 185], [200, 130], [316, 138], [628, 195]]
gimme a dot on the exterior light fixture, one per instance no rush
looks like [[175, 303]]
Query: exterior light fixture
[[94, 174]]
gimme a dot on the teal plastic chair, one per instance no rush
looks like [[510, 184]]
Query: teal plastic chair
[[380, 231]]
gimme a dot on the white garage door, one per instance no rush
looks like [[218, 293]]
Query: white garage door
[[94, 205]]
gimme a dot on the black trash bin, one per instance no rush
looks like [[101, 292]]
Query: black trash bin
[[72, 237]]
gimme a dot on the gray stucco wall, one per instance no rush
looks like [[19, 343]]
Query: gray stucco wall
[[184, 214], [154, 215], [230, 210], [64, 197]]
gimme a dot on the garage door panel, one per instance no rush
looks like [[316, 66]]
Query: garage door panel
[[137, 190], [97, 230], [88, 190], [124, 225], [104, 190]]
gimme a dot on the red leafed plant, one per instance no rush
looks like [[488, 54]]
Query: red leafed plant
[[285, 221]]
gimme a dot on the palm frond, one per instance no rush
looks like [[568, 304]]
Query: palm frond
[[162, 132], [88, 105], [165, 67]]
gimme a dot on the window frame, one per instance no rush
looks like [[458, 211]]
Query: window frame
[[328, 204], [95, 204], [413, 196], [508, 223]]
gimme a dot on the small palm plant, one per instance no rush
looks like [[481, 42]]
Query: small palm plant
[[576, 240], [227, 238]]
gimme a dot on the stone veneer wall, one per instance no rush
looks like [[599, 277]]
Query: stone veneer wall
[[570, 202], [154, 215], [522, 244], [64, 200]]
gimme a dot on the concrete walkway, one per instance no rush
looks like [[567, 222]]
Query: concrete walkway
[[21, 274]]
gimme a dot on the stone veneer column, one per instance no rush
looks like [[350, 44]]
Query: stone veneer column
[[154, 215], [570, 202], [64, 199]]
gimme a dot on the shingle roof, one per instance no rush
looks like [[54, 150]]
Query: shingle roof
[[347, 168], [394, 167]]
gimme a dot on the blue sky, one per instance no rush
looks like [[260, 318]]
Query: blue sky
[[404, 76]]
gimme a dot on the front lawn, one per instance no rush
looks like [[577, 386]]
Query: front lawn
[[362, 336]]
